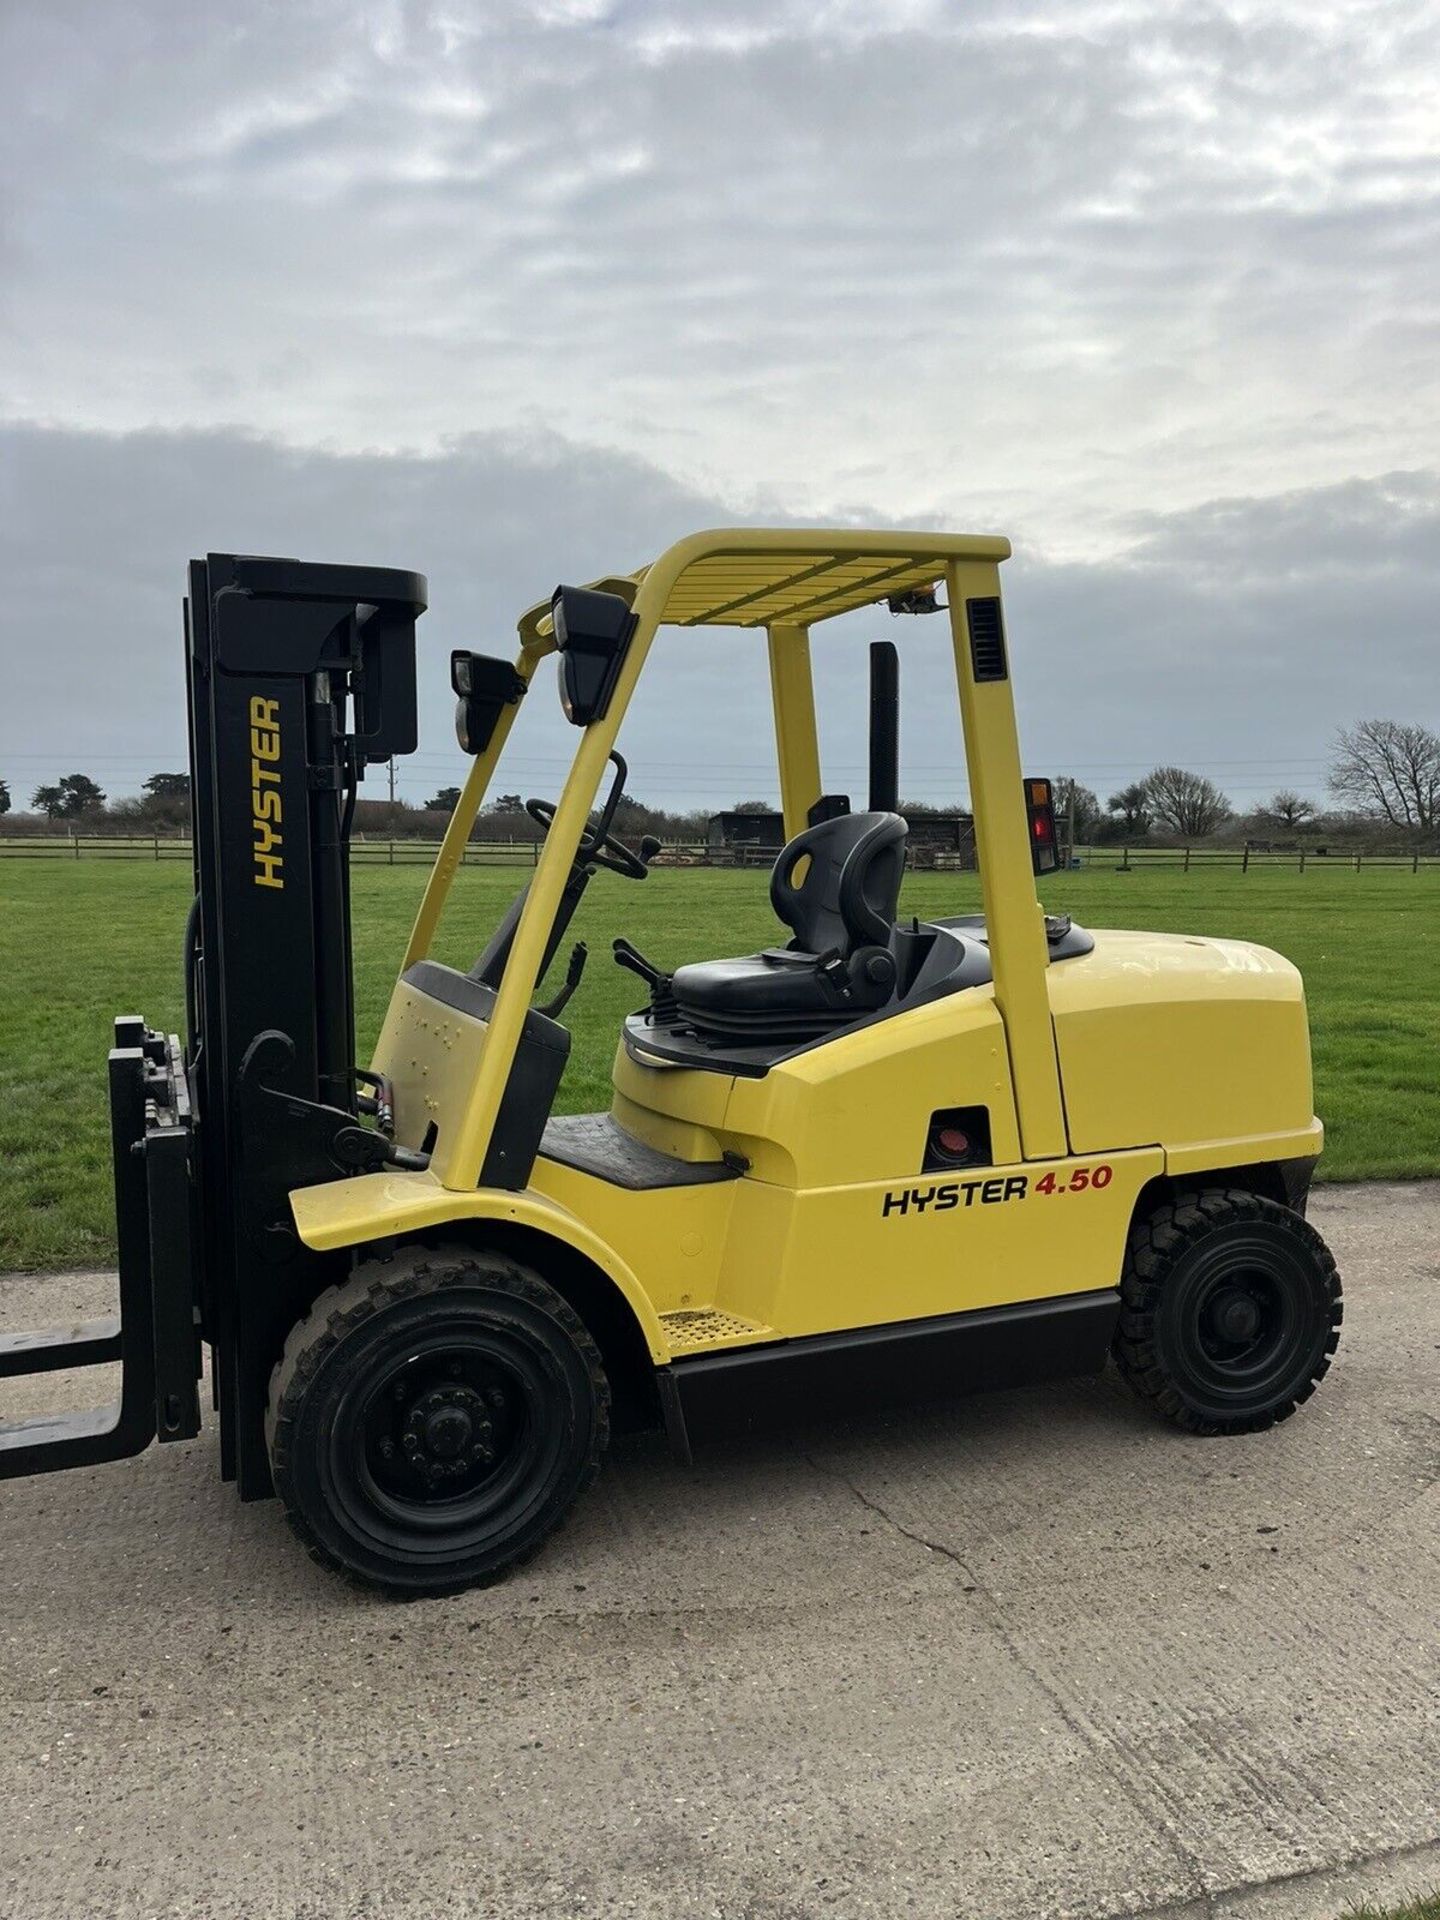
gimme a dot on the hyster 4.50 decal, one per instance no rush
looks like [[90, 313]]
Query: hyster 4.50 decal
[[996, 1190]]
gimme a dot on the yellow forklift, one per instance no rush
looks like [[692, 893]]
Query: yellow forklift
[[882, 1158]]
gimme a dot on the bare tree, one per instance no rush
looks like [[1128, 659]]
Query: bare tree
[[1186, 803], [1289, 809], [1389, 770], [1079, 806]]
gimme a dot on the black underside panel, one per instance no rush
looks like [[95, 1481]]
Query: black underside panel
[[593, 1143], [841, 1373]]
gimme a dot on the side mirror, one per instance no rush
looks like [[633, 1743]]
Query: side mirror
[[592, 631]]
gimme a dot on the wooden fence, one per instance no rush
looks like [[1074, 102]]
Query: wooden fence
[[1248, 859], [161, 846], [370, 851]]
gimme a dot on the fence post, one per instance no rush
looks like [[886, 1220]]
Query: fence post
[[157, 844], [1187, 859], [1357, 860], [1125, 864], [1245, 861], [1302, 859], [75, 842], [534, 853], [392, 851], [1415, 861]]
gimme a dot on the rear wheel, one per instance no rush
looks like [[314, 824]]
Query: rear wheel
[[1230, 1311], [432, 1420]]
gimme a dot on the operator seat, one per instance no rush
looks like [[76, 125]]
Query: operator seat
[[839, 965]]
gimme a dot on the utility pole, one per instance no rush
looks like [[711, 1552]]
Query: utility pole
[[392, 779]]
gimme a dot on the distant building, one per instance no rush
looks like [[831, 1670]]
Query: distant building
[[947, 837], [944, 837], [739, 833]]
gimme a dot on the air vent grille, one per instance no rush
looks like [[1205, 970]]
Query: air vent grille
[[987, 639]]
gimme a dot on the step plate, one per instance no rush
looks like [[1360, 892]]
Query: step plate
[[704, 1329]]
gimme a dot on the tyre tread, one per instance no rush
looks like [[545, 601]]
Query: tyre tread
[[1157, 1241], [372, 1286]]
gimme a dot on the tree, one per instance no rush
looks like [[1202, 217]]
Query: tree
[[1132, 807], [1186, 803], [507, 803], [1289, 809], [445, 801], [167, 786], [71, 797], [1389, 770], [1079, 806], [4, 797], [753, 806]]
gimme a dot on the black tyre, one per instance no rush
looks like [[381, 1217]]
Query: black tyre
[[1230, 1311], [432, 1420]]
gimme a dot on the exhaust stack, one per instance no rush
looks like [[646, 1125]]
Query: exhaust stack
[[884, 727]]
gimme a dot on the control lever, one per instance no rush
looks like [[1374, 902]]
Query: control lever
[[635, 962], [579, 955], [662, 1000]]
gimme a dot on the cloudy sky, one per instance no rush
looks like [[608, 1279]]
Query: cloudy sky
[[516, 290]]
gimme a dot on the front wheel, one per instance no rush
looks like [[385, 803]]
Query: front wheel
[[432, 1420], [1230, 1311]]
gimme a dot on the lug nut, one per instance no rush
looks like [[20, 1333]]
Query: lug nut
[[387, 1448]]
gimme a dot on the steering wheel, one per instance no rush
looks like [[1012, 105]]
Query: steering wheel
[[595, 850]]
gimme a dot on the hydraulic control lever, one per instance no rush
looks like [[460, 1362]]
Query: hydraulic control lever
[[635, 962], [662, 1000]]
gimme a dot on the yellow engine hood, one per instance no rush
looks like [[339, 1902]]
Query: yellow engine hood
[[1187, 1043]]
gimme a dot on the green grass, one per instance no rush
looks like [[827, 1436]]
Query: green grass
[[1425, 1908], [80, 943]]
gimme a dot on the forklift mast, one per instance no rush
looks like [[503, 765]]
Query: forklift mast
[[297, 676]]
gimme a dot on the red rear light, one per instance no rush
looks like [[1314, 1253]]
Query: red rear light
[[1040, 806]]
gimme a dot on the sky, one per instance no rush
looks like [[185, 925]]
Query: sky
[[519, 291]]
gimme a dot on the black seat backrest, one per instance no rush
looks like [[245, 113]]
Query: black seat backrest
[[847, 896]]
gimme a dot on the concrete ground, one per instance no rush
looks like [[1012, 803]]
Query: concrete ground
[[1033, 1655]]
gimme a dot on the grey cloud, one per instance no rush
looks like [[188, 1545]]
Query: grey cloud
[[1034, 262], [1235, 636]]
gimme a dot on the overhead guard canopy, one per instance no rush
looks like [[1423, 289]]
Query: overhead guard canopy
[[784, 576]]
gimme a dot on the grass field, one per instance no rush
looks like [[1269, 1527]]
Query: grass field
[[80, 943]]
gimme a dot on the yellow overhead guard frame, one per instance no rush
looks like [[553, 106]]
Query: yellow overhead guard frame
[[785, 580]]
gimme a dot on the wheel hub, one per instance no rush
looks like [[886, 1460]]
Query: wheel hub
[[1236, 1316], [447, 1432]]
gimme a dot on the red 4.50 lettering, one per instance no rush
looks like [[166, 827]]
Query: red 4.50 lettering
[[1079, 1179]]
